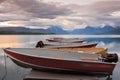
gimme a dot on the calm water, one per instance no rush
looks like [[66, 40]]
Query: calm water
[[14, 72]]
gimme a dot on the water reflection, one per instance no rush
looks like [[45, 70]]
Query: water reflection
[[9, 41], [16, 41], [15, 72]]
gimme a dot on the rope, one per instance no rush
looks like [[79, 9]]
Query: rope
[[5, 66]]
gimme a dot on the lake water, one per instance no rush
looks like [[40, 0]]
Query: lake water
[[14, 72]]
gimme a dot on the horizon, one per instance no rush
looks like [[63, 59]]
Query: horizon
[[69, 15]]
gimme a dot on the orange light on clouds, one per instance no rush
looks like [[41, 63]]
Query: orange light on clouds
[[66, 22]]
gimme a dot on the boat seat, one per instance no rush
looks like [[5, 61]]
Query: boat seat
[[58, 57], [87, 58]]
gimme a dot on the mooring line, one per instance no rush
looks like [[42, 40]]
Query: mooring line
[[5, 67]]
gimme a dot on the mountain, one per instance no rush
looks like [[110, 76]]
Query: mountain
[[95, 30], [22, 30], [57, 30], [115, 31]]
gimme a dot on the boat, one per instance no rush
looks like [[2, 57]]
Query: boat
[[94, 50], [65, 45], [37, 58], [65, 40]]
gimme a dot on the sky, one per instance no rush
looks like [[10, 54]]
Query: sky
[[68, 14]]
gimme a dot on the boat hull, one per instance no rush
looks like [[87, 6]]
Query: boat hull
[[65, 40], [58, 64]]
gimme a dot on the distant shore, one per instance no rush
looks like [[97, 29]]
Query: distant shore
[[23, 33]]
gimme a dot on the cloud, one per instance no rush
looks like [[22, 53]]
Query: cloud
[[10, 11], [100, 7], [37, 13], [13, 12], [99, 13], [41, 9], [1, 1], [34, 8]]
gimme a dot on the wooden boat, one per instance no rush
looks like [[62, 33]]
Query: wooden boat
[[65, 40], [101, 51], [37, 58], [65, 45]]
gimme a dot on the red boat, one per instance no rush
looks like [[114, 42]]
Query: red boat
[[65, 45], [37, 58], [65, 40]]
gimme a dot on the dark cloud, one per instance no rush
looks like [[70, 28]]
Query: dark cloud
[[2, 1], [41, 9], [33, 8]]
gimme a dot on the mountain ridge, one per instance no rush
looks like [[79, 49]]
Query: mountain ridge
[[58, 30]]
